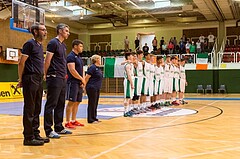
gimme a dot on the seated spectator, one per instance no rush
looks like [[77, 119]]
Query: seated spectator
[[181, 46], [170, 47], [164, 48]]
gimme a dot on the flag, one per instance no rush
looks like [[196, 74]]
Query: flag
[[202, 61], [113, 67]]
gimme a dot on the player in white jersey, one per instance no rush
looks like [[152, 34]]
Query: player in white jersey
[[145, 84], [168, 78], [152, 82], [128, 84], [158, 81], [183, 82], [161, 89], [175, 82]]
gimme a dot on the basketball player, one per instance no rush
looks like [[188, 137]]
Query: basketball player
[[128, 84], [175, 81], [183, 82]]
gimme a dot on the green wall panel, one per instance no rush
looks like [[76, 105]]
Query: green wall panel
[[195, 78], [9, 72], [231, 79]]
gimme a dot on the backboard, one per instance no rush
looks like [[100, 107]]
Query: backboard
[[24, 15]]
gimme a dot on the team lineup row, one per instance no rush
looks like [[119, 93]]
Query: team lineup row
[[149, 86]]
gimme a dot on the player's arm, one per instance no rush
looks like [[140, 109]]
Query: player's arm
[[73, 71], [21, 66], [47, 62], [129, 76]]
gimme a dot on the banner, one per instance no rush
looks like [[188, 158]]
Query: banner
[[202, 61], [113, 67], [9, 90]]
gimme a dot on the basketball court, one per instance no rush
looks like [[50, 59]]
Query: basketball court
[[207, 127]]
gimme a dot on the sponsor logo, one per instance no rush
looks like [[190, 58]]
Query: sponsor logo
[[10, 90], [163, 112]]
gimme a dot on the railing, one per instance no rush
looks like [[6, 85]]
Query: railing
[[227, 57], [190, 58]]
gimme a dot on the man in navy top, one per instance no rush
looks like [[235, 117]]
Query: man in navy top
[[93, 85], [75, 83], [55, 72], [30, 73]]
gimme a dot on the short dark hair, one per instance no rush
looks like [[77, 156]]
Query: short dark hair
[[173, 57], [159, 58], [182, 60], [127, 54], [146, 54], [61, 26], [76, 42], [35, 26], [139, 52]]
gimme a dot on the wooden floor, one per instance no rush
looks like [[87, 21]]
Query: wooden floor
[[211, 133]]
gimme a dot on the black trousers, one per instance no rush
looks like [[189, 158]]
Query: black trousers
[[93, 97], [32, 92], [54, 107]]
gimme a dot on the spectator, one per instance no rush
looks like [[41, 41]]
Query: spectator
[[181, 46], [202, 40], [198, 46], [175, 44], [170, 47], [154, 44], [192, 48], [126, 44], [137, 43], [93, 85], [187, 47], [164, 48], [210, 41], [145, 48], [161, 44]]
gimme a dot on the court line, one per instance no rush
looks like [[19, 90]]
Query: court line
[[139, 136], [206, 153]]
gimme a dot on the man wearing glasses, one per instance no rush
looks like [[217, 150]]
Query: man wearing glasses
[[55, 71], [30, 73]]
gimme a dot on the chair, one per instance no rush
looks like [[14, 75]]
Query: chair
[[200, 88], [209, 88], [222, 88]]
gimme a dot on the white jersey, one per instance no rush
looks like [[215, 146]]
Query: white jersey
[[139, 69], [176, 72], [147, 69], [182, 72], [131, 70], [161, 72], [158, 73], [152, 71], [171, 71], [167, 70]]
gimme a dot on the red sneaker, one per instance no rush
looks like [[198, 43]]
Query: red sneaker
[[175, 103], [70, 125], [76, 123]]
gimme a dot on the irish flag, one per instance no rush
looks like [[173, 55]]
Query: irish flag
[[113, 67], [202, 61]]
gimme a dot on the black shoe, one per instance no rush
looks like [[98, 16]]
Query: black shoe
[[33, 142], [44, 139]]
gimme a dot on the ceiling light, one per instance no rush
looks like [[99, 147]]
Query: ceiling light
[[72, 8], [99, 4], [53, 9], [93, 1]]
